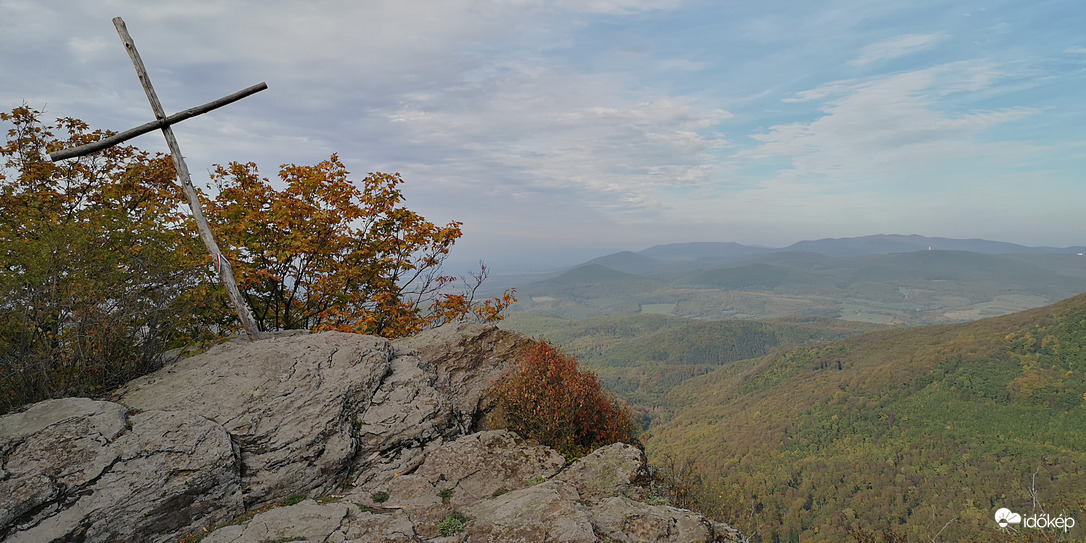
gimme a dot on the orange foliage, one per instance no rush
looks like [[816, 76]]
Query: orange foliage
[[546, 397], [327, 254], [99, 266], [101, 270]]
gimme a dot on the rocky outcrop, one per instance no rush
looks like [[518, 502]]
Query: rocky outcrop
[[598, 498], [83, 470], [288, 402], [434, 393], [311, 412], [505, 490], [387, 439]]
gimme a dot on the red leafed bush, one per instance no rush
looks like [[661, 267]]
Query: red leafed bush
[[547, 398]]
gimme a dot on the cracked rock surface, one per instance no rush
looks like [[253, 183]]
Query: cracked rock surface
[[509, 490], [82, 470], [342, 418], [434, 393], [289, 403]]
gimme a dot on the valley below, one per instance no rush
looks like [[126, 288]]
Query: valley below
[[812, 397]]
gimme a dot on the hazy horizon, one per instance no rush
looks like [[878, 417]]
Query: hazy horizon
[[559, 131], [562, 260]]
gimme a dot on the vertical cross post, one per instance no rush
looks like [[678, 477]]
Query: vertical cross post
[[226, 274]]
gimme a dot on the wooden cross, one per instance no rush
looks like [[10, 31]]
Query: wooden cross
[[226, 275]]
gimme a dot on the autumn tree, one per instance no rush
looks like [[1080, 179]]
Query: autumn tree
[[98, 265], [545, 396], [101, 270], [328, 253]]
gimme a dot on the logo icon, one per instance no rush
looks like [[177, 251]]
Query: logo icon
[[1005, 516]]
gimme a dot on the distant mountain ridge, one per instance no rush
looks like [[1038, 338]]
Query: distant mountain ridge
[[886, 279], [705, 251], [845, 247]]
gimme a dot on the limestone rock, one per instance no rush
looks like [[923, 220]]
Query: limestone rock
[[625, 520], [312, 412], [308, 520], [464, 360], [434, 393], [492, 478], [531, 515], [335, 416], [614, 470], [475, 467], [82, 470], [304, 521], [391, 527], [289, 402]]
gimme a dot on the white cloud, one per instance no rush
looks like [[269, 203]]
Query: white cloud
[[895, 47], [888, 125], [881, 152], [561, 130]]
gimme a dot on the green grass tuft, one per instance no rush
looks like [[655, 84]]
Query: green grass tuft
[[452, 524]]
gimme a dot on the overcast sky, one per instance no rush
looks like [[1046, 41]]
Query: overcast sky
[[562, 130]]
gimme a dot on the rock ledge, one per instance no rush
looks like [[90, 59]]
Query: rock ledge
[[348, 419]]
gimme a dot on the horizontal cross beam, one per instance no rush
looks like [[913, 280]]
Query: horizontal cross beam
[[154, 125]]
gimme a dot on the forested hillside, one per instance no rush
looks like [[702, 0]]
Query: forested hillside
[[913, 433], [642, 357]]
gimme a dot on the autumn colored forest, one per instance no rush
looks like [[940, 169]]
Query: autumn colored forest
[[905, 434]]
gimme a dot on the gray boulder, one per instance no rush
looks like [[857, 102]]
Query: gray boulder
[[597, 498], [335, 522], [470, 469], [543, 512], [314, 412], [434, 393], [615, 470], [82, 470], [291, 404], [507, 489], [321, 522], [623, 520], [473, 468]]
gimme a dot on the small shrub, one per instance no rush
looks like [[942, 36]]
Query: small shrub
[[656, 500], [293, 499], [445, 494], [547, 398], [452, 524], [379, 497], [536, 480], [500, 491]]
